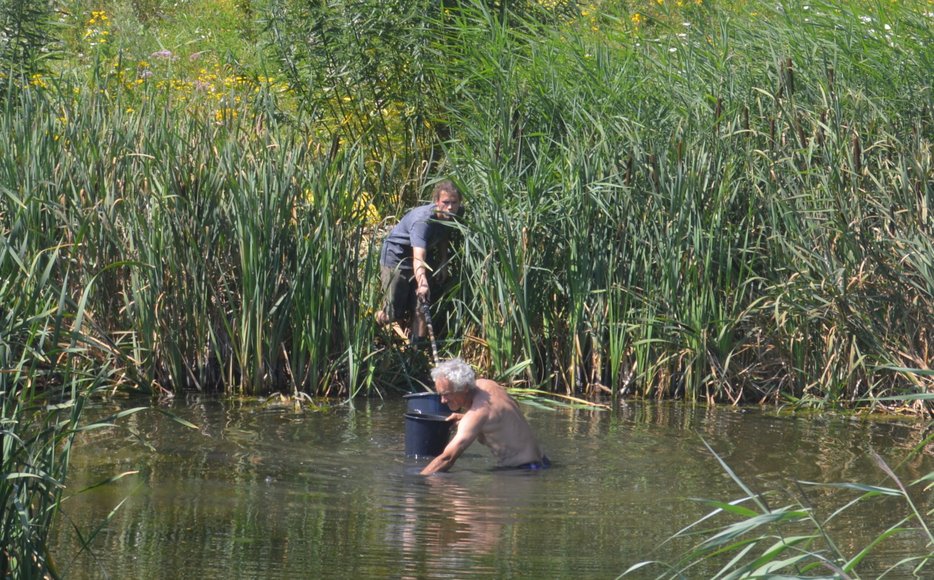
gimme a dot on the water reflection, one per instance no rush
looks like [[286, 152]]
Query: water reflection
[[260, 492], [447, 512]]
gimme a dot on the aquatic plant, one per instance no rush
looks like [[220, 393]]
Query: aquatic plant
[[50, 365], [760, 540], [27, 38]]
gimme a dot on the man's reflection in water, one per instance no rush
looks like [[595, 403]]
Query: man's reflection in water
[[449, 520]]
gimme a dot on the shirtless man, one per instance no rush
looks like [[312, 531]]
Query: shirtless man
[[486, 413]]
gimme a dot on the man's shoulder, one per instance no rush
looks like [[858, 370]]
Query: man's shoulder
[[422, 212], [489, 385]]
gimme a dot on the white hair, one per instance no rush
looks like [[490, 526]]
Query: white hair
[[457, 372]]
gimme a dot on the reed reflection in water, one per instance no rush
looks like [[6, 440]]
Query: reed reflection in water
[[276, 493]]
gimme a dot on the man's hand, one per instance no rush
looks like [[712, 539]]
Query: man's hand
[[423, 293], [455, 417], [468, 429]]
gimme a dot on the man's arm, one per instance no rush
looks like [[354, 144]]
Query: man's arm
[[468, 429], [420, 263]]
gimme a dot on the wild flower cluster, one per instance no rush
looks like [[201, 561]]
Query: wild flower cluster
[[193, 80], [594, 13], [98, 28]]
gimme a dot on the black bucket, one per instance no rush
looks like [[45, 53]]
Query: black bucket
[[426, 403], [426, 435]]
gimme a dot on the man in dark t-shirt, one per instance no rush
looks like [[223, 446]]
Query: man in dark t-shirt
[[403, 258]]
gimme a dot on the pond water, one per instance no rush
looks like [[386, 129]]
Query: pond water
[[276, 492]]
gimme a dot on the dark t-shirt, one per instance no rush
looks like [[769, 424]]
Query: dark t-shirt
[[418, 229]]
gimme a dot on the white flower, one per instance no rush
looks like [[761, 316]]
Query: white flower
[[865, 19]]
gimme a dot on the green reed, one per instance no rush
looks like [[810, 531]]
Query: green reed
[[750, 538], [678, 202], [711, 210], [51, 362], [226, 247]]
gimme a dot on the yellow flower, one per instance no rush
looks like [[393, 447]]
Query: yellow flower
[[364, 208], [225, 114], [636, 19]]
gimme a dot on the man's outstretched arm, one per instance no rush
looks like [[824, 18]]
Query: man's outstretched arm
[[468, 429]]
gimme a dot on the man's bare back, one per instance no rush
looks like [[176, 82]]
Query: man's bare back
[[505, 431]]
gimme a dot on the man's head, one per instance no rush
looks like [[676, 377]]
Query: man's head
[[447, 198], [454, 381]]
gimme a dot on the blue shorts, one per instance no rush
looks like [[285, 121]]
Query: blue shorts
[[545, 463]]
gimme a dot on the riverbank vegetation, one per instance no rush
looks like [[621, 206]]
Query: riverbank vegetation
[[720, 201], [665, 198]]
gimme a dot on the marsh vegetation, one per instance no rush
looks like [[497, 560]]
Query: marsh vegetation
[[716, 201]]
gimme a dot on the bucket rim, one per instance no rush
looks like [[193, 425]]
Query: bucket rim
[[419, 395], [427, 417]]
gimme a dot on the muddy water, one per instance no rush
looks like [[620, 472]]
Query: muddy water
[[271, 492]]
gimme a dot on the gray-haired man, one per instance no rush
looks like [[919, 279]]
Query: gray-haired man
[[484, 412]]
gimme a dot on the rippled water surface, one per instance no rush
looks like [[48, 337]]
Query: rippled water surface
[[279, 493]]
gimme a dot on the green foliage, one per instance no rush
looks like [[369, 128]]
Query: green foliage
[[662, 200], [362, 73], [50, 369], [220, 241], [793, 541], [26, 37], [651, 198]]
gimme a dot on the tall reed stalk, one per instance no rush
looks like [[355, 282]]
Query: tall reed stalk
[[228, 249]]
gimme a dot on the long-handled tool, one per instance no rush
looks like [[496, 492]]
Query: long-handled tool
[[426, 312]]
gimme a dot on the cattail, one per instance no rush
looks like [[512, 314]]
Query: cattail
[[790, 76], [820, 127], [653, 170], [717, 113], [335, 146], [857, 154], [802, 136]]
